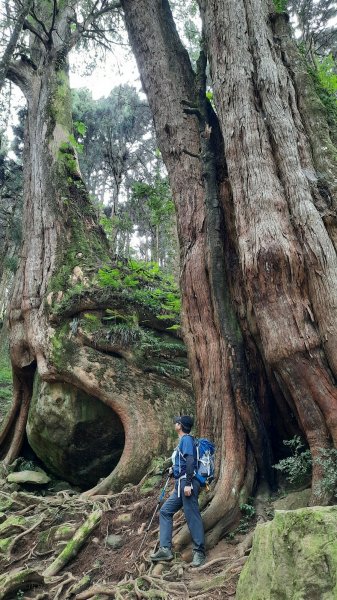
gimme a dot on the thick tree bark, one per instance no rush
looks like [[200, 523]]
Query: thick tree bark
[[62, 250], [226, 406], [256, 231], [287, 259]]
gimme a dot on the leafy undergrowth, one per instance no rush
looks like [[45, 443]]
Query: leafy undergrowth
[[57, 547]]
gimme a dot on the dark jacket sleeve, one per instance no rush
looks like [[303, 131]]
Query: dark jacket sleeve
[[189, 468]]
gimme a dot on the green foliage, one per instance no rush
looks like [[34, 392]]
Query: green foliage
[[67, 156], [120, 160], [147, 285], [280, 6], [327, 459], [80, 127], [297, 467], [157, 198], [248, 514], [6, 381], [124, 334], [75, 144], [11, 263], [107, 225], [325, 80], [248, 509], [154, 345]]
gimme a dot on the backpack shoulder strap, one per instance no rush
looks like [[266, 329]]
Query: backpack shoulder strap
[[179, 445]]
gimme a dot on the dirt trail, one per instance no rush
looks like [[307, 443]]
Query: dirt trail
[[63, 546]]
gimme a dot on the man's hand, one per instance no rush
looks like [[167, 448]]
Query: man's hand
[[188, 490], [170, 471]]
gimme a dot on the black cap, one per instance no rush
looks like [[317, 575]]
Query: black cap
[[185, 420]]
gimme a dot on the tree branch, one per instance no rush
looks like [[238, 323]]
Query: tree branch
[[53, 19], [31, 28], [41, 23], [89, 20], [8, 54], [20, 72]]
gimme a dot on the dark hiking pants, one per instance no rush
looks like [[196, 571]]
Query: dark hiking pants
[[192, 515]]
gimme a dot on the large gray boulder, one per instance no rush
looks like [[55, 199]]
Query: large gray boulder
[[75, 435], [294, 557]]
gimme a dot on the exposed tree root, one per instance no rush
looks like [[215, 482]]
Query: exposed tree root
[[19, 580], [75, 544], [34, 520]]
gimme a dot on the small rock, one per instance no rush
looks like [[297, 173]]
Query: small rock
[[50, 299], [115, 541], [158, 569], [65, 532], [186, 555], [124, 518], [36, 477], [77, 274], [61, 486], [293, 500]]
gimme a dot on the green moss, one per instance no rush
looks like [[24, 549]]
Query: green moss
[[61, 102], [64, 532], [63, 348], [293, 557], [11, 522], [5, 503], [6, 382], [5, 543], [149, 484]]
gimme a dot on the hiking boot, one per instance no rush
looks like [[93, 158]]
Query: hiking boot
[[162, 554], [198, 559]]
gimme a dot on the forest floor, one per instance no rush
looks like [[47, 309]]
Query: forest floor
[[65, 546]]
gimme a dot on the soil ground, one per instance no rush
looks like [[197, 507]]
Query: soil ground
[[113, 573]]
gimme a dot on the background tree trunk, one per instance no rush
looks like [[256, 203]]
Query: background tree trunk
[[50, 343]]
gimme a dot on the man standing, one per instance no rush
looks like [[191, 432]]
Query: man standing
[[186, 491]]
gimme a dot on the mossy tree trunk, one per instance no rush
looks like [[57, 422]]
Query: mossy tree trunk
[[63, 247], [258, 263]]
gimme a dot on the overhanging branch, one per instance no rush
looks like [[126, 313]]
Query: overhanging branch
[[20, 73]]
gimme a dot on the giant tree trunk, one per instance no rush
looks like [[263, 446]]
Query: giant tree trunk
[[258, 268], [55, 355], [287, 259], [226, 407]]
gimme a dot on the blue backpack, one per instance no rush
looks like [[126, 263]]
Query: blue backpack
[[205, 461]]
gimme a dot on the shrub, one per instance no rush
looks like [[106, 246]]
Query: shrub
[[327, 459], [297, 467]]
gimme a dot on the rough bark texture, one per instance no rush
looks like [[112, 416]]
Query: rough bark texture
[[13, 39], [256, 230], [287, 259], [222, 385], [55, 288]]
